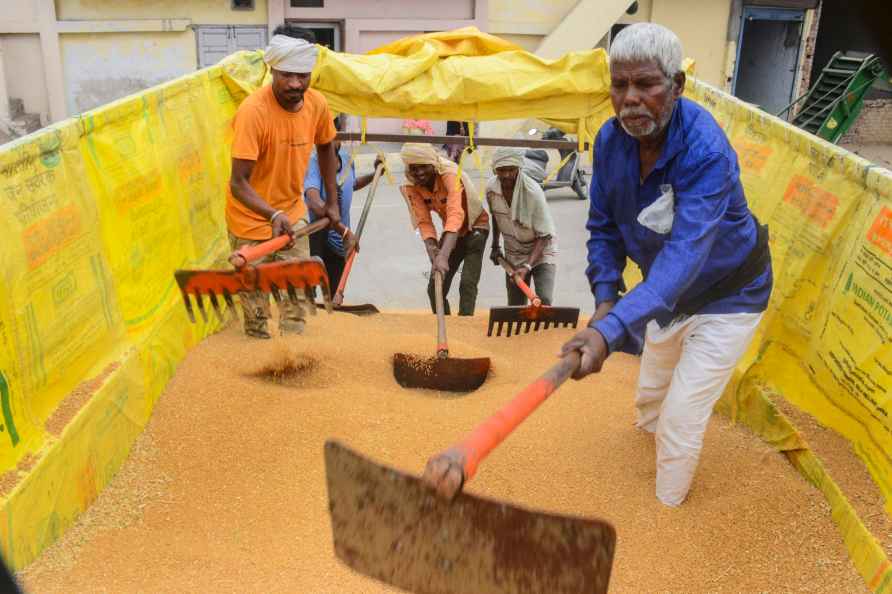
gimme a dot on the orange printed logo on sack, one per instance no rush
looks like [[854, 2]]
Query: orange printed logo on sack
[[880, 233], [816, 203], [753, 157], [49, 236]]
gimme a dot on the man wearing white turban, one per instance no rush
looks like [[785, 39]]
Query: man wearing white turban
[[274, 131], [521, 216], [434, 187]]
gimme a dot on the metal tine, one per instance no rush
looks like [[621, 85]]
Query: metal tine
[[499, 329], [510, 329], [216, 305], [489, 329], [188, 306], [275, 290], [200, 304], [536, 326], [229, 302], [547, 324], [311, 298], [326, 298], [526, 328], [292, 293]]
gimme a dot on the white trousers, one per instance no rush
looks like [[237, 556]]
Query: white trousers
[[684, 370]]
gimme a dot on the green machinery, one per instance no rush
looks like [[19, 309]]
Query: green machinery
[[833, 103]]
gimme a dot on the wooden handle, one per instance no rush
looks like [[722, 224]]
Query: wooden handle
[[342, 284], [348, 265], [491, 432], [251, 253], [368, 202], [527, 290], [442, 345]]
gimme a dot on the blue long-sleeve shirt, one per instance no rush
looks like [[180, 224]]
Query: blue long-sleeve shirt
[[712, 229], [345, 199]]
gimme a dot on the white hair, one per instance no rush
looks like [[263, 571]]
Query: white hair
[[648, 41]]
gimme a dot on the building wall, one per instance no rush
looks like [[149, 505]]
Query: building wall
[[526, 17], [873, 126], [23, 67], [103, 67], [202, 12], [368, 24], [702, 28], [365, 22]]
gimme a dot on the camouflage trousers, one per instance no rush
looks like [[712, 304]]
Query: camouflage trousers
[[255, 306]]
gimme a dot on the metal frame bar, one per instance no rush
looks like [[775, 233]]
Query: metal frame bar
[[463, 140]]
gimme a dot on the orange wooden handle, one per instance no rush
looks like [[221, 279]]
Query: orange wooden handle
[[442, 344], [496, 428], [531, 295], [251, 253], [342, 284]]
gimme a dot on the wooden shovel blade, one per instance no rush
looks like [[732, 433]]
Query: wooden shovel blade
[[389, 526], [433, 373]]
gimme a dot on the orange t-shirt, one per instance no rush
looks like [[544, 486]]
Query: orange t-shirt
[[281, 143]]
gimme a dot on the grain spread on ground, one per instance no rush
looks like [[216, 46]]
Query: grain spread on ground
[[225, 491]]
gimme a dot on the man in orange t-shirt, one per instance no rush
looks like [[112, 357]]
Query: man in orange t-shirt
[[434, 187], [275, 129]]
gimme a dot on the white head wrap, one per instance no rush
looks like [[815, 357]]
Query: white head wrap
[[420, 153], [507, 157], [528, 205], [291, 55]]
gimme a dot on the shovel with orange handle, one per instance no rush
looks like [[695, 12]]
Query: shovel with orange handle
[[393, 527], [363, 309]]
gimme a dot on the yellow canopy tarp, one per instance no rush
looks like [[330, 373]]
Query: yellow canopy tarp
[[462, 75]]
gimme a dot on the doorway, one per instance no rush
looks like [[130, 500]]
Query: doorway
[[768, 57], [327, 34]]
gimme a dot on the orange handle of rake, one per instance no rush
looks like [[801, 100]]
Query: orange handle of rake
[[491, 432], [251, 253], [531, 295]]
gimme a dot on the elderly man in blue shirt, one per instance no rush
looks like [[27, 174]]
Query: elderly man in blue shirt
[[666, 193]]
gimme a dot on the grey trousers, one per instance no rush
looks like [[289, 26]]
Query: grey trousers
[[541, 280]]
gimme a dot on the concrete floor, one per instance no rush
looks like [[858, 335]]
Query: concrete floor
[[392, 268]]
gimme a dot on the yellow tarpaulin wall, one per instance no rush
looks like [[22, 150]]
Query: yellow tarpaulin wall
[[824, 344], [96, 214], [99, 211]]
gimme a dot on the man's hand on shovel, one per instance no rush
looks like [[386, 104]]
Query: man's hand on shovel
[[350, 242], [444, 474], [593, 350]]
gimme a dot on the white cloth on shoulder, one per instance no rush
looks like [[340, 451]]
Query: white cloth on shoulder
[[528, 204]]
